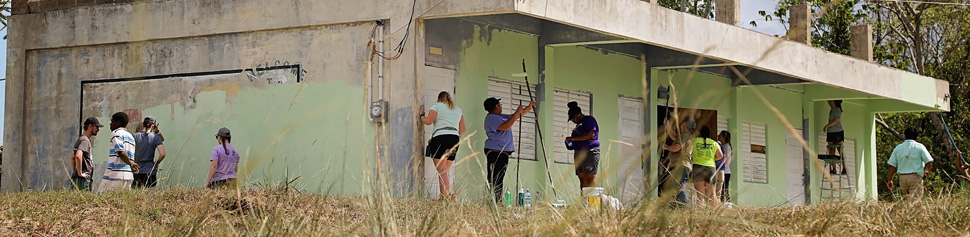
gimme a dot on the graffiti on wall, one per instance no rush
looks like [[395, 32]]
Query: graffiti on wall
[[277, 73]]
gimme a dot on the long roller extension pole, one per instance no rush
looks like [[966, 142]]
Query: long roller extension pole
[[951, 137], [545, 156]]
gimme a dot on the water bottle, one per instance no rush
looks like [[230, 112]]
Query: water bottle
[[528, 198], [521, 196], [508, 198]]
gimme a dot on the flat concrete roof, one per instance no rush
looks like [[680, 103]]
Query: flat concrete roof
[[655, 25]]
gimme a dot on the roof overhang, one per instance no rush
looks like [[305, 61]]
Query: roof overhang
[[623, 23]]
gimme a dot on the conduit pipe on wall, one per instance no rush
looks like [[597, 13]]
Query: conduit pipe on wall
[[380, 62], [371, 103]]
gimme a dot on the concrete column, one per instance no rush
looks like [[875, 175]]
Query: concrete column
[[800, 22], [728, 11], [861, 42]]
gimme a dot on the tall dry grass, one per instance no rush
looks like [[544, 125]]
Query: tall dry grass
[[276, 211]]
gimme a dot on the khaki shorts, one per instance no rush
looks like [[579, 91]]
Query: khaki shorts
[[912, 185]]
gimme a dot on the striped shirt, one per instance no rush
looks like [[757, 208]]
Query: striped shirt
[[117, 169]]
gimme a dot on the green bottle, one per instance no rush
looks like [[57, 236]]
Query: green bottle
[[508, 199]]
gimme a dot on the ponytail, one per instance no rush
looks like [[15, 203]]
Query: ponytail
[[224, 141], [838, 103], [706, 134], [444, 97]]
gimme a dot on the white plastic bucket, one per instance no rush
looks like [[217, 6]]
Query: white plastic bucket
[[593, 196]]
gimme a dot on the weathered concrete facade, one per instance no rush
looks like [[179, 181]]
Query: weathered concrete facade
[[294, 80]]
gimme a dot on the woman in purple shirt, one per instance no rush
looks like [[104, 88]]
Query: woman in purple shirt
[[222, 171], [585, 142]]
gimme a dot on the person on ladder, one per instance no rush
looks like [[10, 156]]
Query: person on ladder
[[835, 135], [499, 145]]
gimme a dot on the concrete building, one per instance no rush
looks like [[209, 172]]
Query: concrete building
[[307, 100]]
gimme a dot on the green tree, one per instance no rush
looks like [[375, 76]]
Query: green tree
[[925, 38]]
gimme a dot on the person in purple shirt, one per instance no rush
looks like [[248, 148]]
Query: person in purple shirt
[[222, 171], [499, 145], [585, 142]]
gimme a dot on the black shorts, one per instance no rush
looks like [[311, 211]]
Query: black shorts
[[705, 173], [441, 144], [835, 137], [587, 161], [144, 181]]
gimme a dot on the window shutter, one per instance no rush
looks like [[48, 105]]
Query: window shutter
[[755, 163], [564, 128]]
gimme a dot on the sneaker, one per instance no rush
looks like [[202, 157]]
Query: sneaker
[[832, 171], [843, 171]]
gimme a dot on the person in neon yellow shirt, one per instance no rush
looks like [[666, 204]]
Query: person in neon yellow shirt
[[706, 150]]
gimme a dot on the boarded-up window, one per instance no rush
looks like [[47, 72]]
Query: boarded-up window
[[564, 128], [755, 152], [512, 95]]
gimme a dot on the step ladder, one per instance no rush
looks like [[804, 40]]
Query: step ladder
[[837, 190]]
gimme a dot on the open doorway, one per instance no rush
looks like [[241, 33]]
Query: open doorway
[[702, 117]]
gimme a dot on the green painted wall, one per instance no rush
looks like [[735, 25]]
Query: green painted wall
[[323, 139], [498, 53], [857, 121], [753, 109], [606, 76], [490, 53]]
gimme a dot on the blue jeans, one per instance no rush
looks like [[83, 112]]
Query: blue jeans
[[673, 185]]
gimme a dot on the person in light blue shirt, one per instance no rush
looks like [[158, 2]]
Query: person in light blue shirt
[[449, 125], [912, 161], [499, 145]]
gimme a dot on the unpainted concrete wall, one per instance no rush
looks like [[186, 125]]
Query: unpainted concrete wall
[[315, 129]]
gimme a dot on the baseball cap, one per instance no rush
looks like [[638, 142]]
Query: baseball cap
[[490, 103], [224, 132], [150, 120], [92, 121]]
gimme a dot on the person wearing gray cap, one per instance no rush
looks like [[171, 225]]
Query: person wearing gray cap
[[147, 140], [222, 170], [81, 167]]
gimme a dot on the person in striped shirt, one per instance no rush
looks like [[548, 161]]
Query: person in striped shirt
[[118, 174]]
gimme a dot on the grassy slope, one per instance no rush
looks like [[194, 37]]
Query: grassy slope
[[179, 212]]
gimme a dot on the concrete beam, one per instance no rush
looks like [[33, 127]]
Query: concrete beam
[[816, 92], [556, 34], [594, 43], [895, 106], [662, 28]]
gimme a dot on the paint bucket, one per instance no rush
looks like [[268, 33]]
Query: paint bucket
[[593, 196]]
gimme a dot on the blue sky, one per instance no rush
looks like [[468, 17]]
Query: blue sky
[[749, 12]]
